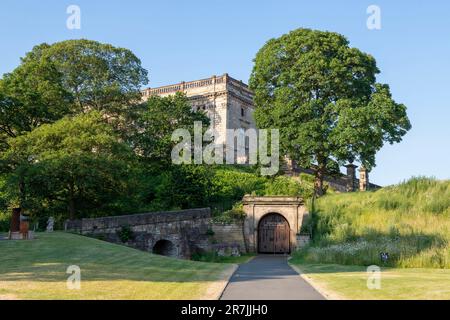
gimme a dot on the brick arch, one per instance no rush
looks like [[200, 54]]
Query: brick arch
[[255, 208]]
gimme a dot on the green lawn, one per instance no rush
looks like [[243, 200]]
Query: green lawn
[[350, 282], [410, 221], [37, 270]]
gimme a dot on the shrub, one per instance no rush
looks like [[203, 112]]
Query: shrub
[[125, 234], [4, 222], [288, 186], [236, 214]]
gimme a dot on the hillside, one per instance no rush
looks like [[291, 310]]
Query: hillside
[[37, 270], [409, 221]]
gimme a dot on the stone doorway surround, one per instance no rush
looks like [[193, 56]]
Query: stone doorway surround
[[291, 208]]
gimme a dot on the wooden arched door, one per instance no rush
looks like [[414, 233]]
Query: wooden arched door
[[273, 234]]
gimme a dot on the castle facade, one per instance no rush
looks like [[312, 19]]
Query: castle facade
[[227, 102]]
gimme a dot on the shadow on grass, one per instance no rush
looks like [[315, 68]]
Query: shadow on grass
[[47, 258]]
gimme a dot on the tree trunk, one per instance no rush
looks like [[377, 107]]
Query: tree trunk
[[71, 209], [318, 182], [71, 206], [22, 196]]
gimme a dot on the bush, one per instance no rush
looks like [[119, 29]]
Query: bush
[[234, 215], [184, 187], [283, 185], [233, 183], [4, 222], [125, 234]]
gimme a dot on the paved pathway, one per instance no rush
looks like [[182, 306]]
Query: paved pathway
[[268, 277]]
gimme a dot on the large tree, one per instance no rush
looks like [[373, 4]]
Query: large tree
[[31, 95], [69, 77], [155, 122], [99, 76], [77, 163], [323, 96]]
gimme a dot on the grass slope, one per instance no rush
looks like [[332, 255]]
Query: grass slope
[[350, 282], [37, 270], [410, 221]]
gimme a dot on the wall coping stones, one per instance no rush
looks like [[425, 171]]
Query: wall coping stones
[[272, 200], [111, 222]]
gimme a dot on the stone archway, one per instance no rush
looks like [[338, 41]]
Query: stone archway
[[165, 248], [273, 234], [292, 209]]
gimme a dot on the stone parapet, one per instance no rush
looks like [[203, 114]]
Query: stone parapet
[[173, 233]]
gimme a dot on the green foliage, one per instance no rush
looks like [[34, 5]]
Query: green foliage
[[283, 185], [77, 141], [96, 75], [123, 272], [235, 214], [323, 96], [218, 187], [183, 187], [155, 123], [410, 221], [231, 184], [4, 221], [31, 95], [125, 234], [76, 163], [66, 78]]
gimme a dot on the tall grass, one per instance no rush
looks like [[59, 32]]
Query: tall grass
[[410, 221]]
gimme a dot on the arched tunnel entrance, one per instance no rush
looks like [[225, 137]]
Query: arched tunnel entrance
[[165, 248]]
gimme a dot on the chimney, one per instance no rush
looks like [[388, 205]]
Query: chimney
[[363, 179], [351, 177]]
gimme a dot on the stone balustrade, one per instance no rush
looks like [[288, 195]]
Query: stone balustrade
[[183, 86]]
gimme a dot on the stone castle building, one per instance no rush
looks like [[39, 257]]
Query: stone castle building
[[272, 224], [227, 101], [229, 105]]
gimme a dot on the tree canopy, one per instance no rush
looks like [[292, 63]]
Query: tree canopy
[[323, 96], [157, 119], [69, 77], [76, 163]]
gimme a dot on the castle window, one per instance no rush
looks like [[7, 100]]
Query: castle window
[[242, 112]]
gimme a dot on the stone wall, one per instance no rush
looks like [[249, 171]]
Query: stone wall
[[255, 208], [229, 235], [174, 233], [303, 240], [340, 183]]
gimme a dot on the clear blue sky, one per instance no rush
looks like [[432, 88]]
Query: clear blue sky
[[185, 40]]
